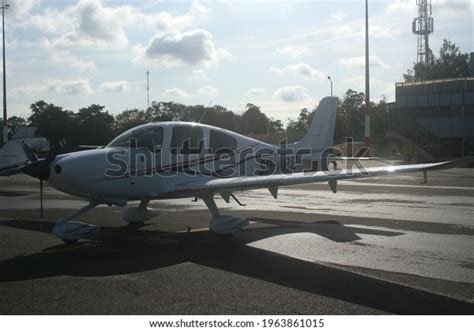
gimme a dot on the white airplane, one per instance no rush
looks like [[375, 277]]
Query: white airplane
[[12, 154], [170, 160]]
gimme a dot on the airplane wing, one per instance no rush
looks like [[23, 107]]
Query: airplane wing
[[10, 170], [274, 181]]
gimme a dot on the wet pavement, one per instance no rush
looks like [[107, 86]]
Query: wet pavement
[[388, 245]]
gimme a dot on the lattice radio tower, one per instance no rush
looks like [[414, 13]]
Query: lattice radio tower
[[422, 26]]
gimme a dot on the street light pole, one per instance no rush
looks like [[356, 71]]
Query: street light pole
[[329, 77], [147, 89], [5, 118], [368, 140]]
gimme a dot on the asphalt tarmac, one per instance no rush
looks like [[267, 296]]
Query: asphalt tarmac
[[378, 246]]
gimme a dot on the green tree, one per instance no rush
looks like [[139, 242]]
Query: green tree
[[217, 116], [166, 111], [276, 126], [253, 120], [53, 122], [14, 123], [300, 126], [378, 122], [350, 117], [92, 119], [451, 63], [130, 118]]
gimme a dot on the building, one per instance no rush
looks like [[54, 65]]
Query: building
[[433, 120]]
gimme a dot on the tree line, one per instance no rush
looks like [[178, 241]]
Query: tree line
[[93, 125]]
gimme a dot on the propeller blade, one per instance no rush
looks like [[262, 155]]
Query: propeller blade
[[30, 155], [38, 169]]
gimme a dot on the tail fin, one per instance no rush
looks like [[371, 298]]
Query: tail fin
[[12, 156], [321, 132]]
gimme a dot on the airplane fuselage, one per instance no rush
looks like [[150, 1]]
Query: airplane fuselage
[[149, 161]]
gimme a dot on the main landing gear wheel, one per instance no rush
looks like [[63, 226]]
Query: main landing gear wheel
[[223, 224], [139, 215]]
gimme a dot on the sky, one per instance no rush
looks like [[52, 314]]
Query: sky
[[275, 54]]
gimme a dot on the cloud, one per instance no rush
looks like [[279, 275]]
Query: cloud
[[74, 87], [294, 51], [198, 74], [453, 7], [208, 90], [378, 87], [359, 62], [69, 60], [401, 7], [339, 16], [342, 30], [176, 44], [164, 21], [96, 26], [292, 94], [20, 9], [192, 48], [88, 23], [302, 69], [26, 90], [115, 86], [383, 31], [175, 93], [258, 91]]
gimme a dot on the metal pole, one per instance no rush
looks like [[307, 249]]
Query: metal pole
[[329, 77], [148, 89], [367, 78], [5, 118]]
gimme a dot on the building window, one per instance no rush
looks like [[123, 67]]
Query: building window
[[457, 99], [433, 100], [422, 100], [401, 101], [469, 98], [411, 101], [445, 122], [445, 99]]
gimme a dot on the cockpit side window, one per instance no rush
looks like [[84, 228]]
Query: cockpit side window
[[149, 137], [187, 140], [221, 142]]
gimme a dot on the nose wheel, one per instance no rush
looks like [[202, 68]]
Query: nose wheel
[[70, 230]]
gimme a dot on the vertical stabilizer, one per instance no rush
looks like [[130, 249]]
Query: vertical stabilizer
[[12, 157], [321, 132]]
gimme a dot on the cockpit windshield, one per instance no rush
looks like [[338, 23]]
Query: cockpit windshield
[[148, 136]]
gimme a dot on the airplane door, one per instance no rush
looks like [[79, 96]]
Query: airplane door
[[186, 148]]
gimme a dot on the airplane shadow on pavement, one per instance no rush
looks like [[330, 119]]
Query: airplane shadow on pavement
[[133, 248]]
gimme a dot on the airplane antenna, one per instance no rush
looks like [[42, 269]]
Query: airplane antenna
[[205, 112], [148, 89]]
